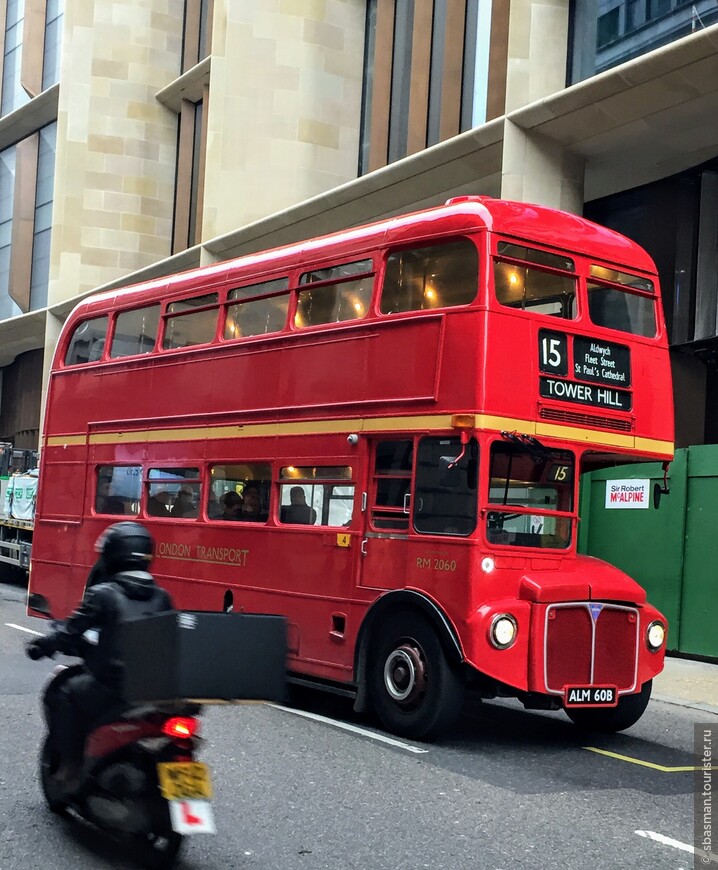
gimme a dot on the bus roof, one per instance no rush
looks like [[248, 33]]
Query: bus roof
[[526, 221]]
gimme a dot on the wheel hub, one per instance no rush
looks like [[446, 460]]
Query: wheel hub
[[405, 674]]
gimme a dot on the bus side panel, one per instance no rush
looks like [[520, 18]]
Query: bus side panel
[[58, 521]]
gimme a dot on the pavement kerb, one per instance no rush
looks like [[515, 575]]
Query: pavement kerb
[[691, 705]]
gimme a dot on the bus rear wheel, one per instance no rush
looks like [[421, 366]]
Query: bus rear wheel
[[415, 690], [627, 712]]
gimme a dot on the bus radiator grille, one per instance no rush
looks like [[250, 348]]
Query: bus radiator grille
[[581, 649], [577, 418]]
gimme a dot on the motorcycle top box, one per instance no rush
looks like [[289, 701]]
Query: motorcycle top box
[[205, 656]]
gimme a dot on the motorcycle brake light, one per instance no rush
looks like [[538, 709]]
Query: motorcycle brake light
[[180, 726]]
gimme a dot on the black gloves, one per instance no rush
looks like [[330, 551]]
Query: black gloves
[[39, 648]]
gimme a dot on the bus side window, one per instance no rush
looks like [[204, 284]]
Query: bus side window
[[346, 298], [117, 490], [438, 276], [190, 321], [240, 492], [88, 342], [311, 497], [135, 331], [173, 492], [393, 465], [258, 309]]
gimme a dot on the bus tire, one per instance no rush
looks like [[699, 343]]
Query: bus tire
[[415, 690], [627, 712]]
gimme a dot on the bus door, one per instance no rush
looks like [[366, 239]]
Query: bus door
[[316, 554], [422, 504]]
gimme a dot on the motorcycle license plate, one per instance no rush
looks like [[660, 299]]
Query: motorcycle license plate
[[184, 780], [590, 696]]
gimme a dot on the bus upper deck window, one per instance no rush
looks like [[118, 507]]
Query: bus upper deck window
[[340, 296], [258, 309], [526, 287], [135, 331], [619, 308], [88, 342], [436, 276], [190, 321]]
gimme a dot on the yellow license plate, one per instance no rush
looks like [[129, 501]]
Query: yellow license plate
[[184, 780]]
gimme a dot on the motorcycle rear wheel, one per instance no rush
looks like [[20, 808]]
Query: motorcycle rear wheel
[[54, 796], [157, 851]]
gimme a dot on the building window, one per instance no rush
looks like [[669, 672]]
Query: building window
[[13, 95], [475, 77], [197, 32], [401, 80], [189, 189], [40, 270], [197, 174], [8, 306], [605, 34], [53, 42], [607, 27], [657, 8], [418, 88]]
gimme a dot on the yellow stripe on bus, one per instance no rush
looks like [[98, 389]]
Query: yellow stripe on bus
[[367, 426]]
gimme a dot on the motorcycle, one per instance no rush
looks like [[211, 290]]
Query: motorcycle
[[139, 780]]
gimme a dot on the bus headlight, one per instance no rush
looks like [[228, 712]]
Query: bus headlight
[[503, 630], [655, 636]]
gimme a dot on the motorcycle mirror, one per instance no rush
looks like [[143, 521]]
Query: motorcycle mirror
[[39, 604]]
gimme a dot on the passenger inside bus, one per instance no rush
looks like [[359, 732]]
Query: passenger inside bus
[[231, 505], [158, 504], [252, 504], [105, 503], [298, 511], [184, 506]]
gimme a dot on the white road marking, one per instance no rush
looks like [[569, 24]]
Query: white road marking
[[706, 857], [22, 628], [353, 728]]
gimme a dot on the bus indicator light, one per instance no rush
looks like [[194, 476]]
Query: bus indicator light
[[463, 421]]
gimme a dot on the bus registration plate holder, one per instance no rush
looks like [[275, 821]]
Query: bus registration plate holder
[[590, 696]]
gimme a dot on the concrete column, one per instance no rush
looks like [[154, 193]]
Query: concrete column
[[53, 325], [284, 106], [537, 169], [537, 51]]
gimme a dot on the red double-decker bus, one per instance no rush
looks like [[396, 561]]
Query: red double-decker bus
[[379, 434]]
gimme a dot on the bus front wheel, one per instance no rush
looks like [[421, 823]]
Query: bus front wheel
[[415, 690], [627, 712]]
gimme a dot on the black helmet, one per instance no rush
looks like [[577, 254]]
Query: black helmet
[[125, 547]]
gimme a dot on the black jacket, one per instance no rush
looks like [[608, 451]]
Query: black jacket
[[128, 595]]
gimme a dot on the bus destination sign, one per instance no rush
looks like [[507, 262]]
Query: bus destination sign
[[604, 365], [601, 362], [584, 394]]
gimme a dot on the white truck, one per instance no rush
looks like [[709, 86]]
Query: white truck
[[17, 518]]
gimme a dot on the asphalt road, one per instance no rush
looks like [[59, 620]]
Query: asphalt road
[[506, 789]]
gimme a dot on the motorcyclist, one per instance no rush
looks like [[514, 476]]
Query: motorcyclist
[[125, 550]]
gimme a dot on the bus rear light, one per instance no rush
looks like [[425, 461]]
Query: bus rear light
[[503, 631], [655, 636], [180, 727]]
